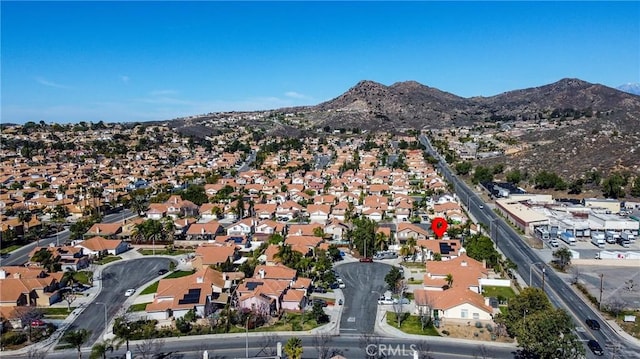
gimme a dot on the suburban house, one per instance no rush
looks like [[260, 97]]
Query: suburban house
[[447, 249], [241, 228], [452, 290], [203, 292], [204, 231], [106, 230], [97, 246], [28, 286], [213, 255], [318, 213], [409, 230]]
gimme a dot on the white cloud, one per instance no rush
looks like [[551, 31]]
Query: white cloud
[[124, 78], [163, 92], [45, 82], [296, 95]]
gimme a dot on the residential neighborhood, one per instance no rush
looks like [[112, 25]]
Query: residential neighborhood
[[263, 244]]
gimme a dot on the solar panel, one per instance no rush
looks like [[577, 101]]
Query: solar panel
[[444, 248], [253, 285], [192, 297]]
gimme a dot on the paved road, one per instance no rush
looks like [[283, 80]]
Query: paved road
[[363, 283], [116, 279], [351, 346], [20, 256], [513, 247]]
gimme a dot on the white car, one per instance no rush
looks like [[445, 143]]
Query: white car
[[385, 301], [129, 292]]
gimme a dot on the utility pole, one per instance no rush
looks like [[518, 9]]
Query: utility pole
[[543, 270], [601, 283]]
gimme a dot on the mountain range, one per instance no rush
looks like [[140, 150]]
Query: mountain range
[[632, 88], [607, 137]]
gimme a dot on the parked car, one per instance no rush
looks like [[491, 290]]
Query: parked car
[[366, 260], [334, 285], [595, 347], [129, 292], [341, 285], [319, 290], [593, 324], [163, 271], [36, 323], [385, 301]]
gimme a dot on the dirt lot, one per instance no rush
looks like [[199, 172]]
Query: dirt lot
[[464, 331]]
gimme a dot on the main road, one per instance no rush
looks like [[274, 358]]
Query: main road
[[513, 247], [21, 256], [350, 346]]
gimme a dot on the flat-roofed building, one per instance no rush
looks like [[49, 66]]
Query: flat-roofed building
[[608, 204], [611, 222], [521, 215]]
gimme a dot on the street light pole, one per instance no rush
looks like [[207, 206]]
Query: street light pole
[[530, 279], [246, 341]]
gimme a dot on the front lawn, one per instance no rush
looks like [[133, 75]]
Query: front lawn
[[55, 312], [152, 288], [163, 252], [10, 249], [411, 325], [290, 322], [108, 259], [505, 293], [140, 307], [179, 273], [82, 277]]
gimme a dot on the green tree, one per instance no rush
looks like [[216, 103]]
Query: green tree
[[482, 174], [463, 168], [195, 194], [100, 350], [635, 189], [480, 247], [293, 348], [363, 236], [392, 278], [612, 187], [562, 257], [530, 301], [76, 338], [549, 334]]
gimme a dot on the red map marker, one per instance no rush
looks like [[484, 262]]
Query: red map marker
[[439, 226]]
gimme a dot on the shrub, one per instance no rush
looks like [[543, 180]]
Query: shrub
[[13, 338], [445, 332], [489, 328], [478, 325]]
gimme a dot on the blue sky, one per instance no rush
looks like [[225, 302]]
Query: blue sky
[[122, 61]]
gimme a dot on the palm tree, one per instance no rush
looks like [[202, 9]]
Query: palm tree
[[293, 348], [76, 338], [381, 240], [99, 350], [139, 204], [411, 243], [25, 216], [285, 253], [449, 279]]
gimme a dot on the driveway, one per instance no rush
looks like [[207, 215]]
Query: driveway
[[363, 283], [116, 279]]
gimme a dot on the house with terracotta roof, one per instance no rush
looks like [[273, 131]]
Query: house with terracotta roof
[[203, 292], [241, 228], [99, 246], [447, 249], [465, 270], [336, 229], [409, 230], [213, 255], [23, 286], [106, 230], [204, 231], [456, 304], [318, 213]]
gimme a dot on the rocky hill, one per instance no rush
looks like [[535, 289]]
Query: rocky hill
[[608, 135]]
